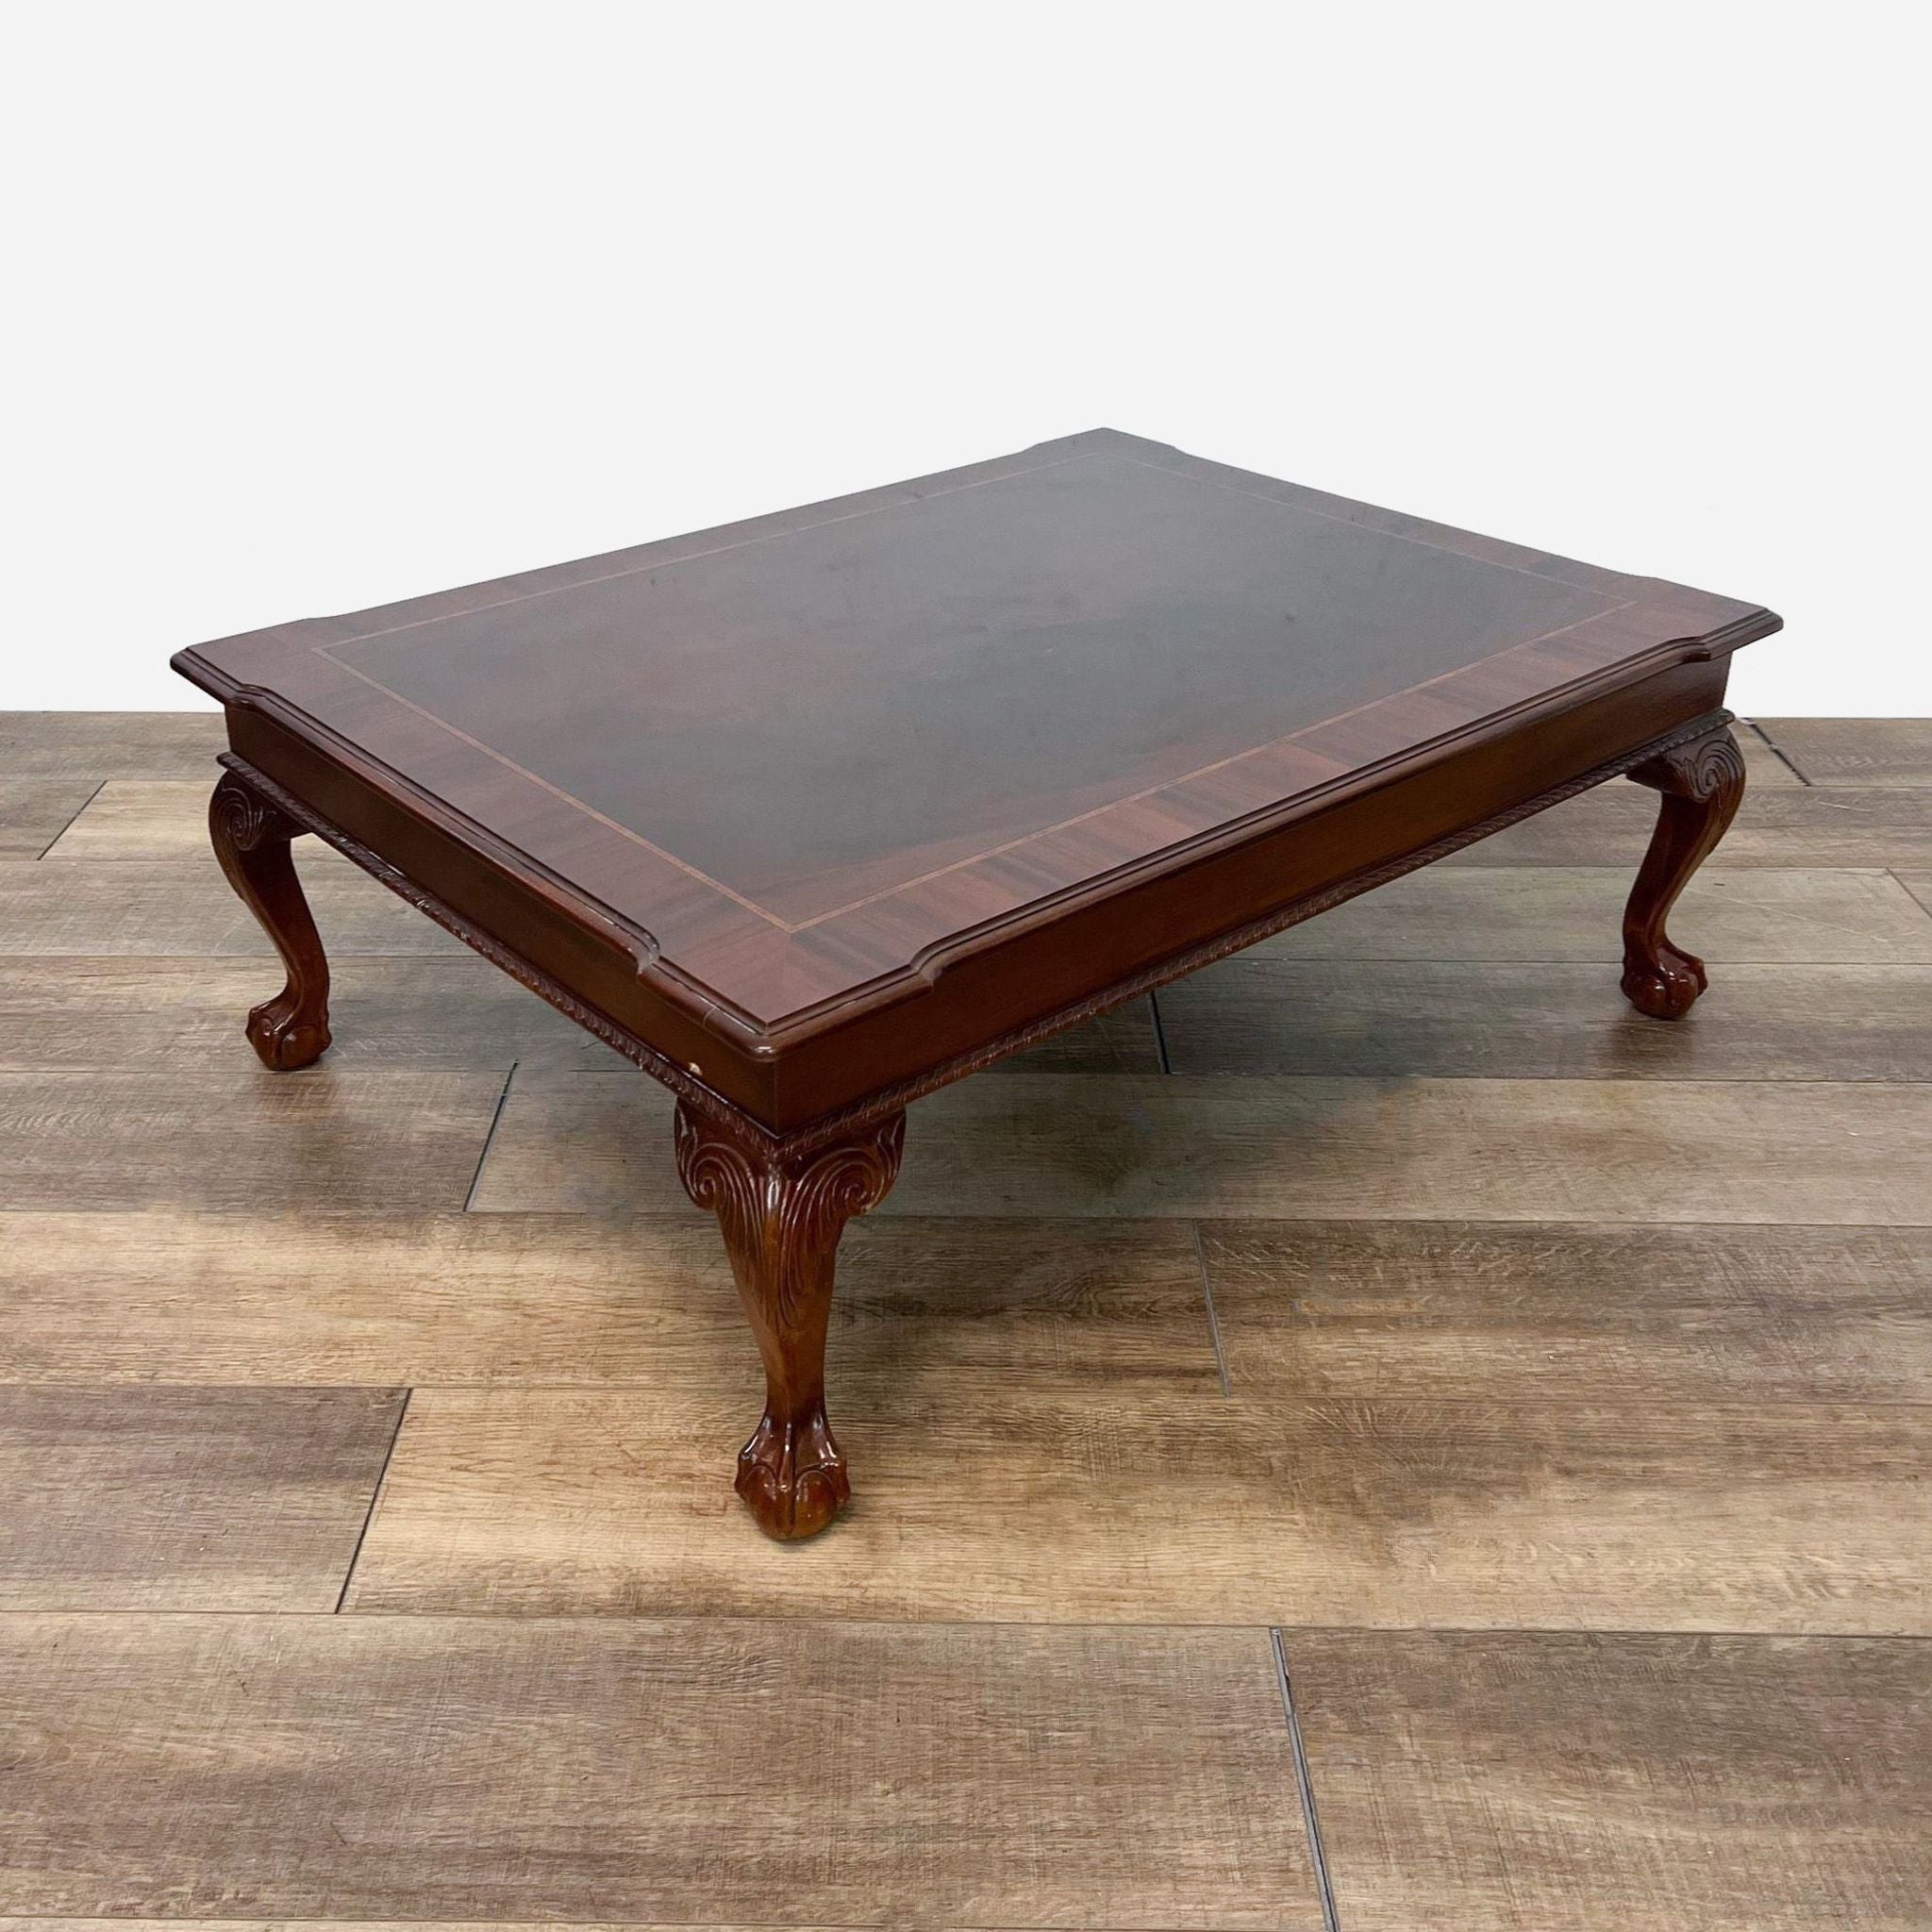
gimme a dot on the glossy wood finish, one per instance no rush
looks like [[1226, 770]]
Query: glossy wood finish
[[813, 816], [782, 1216], [250, 839], [1273, 719], [1702, 785]]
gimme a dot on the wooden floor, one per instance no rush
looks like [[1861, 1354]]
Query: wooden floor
[[1390, 1440]]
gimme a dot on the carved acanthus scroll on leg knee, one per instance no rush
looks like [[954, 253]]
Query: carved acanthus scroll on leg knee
[[782, 1216], [1702, 783], [251, 839]]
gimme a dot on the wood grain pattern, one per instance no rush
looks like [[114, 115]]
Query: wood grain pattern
[[1044, 1146], [120, 1010], [141, 817], [394, 1768], [1533, 914], [1461, 1017], [242, 1140], [166, 909], [33, 812], [1856, 751], [296, 1297], [1486, 1311], [1920, 887], [1072, 1500], [1548, 1783], [454, 1009], [1794, 829], [288, 1925], [96, 745], [186, 1499]]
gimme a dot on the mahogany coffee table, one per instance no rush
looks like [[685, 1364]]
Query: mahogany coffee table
[[811, 815]]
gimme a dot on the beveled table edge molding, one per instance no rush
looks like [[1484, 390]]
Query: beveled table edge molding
[[734, 1119]]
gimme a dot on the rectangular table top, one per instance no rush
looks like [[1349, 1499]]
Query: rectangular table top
[[795, 761]]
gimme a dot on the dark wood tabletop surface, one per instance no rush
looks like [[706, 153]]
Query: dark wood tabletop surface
[[803, 766], [811, 815]]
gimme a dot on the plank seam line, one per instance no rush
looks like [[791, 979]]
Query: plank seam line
[[1897, 877], [1305, 1784], [1160, 1033], [489, 1136], [1213, 1320], [374, 1497], [69, 825], [1778, 752]]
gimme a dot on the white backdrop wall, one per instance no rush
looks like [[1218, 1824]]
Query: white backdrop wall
[[317, 306]]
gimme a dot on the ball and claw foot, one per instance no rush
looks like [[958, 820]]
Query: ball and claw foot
[[1666, 987], [1702, 783], [251, 835], [283, 1037], [792, 1477], [782, 1214]]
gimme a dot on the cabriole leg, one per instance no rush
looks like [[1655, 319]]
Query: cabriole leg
[[1702, 784], [782, 1215], [251, 839]]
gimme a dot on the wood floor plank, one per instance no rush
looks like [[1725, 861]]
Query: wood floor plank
[[1920, 887], [118, 1010], [1856, 751], [408, 1769], [454, 1009], [34, 811], [1506, 1312], [1536, 913], [244, 1141], [287, 1924], [1763, 766], [1789, 829], [978, 1496], [142, 818], [168, 1297], [1253, 1015], [1048, 1147], [185, 1499], [112, 745], [185, 909], [1469, 1782]]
